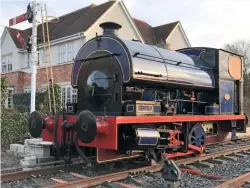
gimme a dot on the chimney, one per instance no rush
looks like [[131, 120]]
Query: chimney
[[167, 46], [110, 28]]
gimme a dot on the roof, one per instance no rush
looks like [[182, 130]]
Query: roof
[[69, 24], [152, 35], [81, 20], [146, 31], [77, 21], [163, 31], [13, 33]]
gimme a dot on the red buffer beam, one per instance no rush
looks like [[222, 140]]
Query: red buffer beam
[[18, 19]]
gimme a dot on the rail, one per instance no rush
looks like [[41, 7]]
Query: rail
[[212, 155], [97, 180], [13, 176], [113, 177], [236, 182], [94, 181]]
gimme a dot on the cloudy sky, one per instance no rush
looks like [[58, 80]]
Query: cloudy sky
[[211, 23]]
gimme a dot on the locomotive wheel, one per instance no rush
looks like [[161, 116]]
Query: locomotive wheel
[[197, 136], [86, 126], [35, 124]]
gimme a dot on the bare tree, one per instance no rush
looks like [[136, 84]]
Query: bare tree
[[242, 48]]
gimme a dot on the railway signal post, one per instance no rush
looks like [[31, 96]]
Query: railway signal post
[[31, 16], [34, 58]]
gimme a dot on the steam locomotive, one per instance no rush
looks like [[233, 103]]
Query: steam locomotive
[[137, 100]]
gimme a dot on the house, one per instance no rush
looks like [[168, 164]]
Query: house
[[68, 35]]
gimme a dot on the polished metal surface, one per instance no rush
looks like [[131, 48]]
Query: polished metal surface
[[147, 136], [150, 64], [156, 64]]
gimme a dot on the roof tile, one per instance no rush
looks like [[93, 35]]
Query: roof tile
[[163, 31], [152, 35], [69, 24], [13, 33], [80, 20], [146, 31]]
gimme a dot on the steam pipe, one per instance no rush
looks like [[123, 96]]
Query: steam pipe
[[79, 150]]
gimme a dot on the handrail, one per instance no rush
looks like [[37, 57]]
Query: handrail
[[100, 57], [178, 62]]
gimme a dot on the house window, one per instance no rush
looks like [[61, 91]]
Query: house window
[[9, 99], [29, 60], [62, 55], [27, 90], [68, 95], [7, 63], [71, 51], [41, 57], [66, 52]]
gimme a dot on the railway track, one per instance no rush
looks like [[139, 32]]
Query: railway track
[[236, 182], [132, 176]]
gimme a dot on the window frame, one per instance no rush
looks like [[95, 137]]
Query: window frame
[[27, 90], [68, 95], [62, 53], [9, 98], [6, 63], [70, 51]]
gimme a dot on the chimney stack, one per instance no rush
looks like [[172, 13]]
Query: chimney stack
[[167, 46], [110, 28]]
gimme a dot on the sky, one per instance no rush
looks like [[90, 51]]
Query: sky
[[209, 23]]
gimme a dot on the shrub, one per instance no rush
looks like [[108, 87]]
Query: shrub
[[14, 122], [4, 86], [13, 127], [21, 101]]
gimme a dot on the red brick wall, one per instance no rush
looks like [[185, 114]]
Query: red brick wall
[[19, 80], [61, 73]]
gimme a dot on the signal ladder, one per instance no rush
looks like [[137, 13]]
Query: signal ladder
[[47, 60]]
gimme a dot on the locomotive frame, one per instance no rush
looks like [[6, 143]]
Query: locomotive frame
[[137, 100]]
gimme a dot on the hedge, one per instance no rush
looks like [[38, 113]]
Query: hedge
[[22, 101], [4, 86], [14, 123], [14, 126]]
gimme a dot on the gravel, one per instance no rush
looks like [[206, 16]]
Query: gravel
[[8, 160], [44, 179], [190, 180], [216, 148], [229, 170]]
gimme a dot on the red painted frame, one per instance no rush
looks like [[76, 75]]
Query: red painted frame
[[165, 119], [109, 140]]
